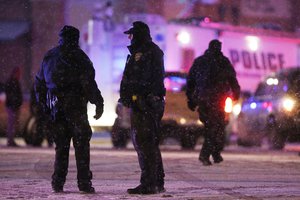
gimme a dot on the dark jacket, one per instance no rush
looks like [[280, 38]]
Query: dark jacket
[[68, 74], [13, 93], [144, 72], [211, 77]]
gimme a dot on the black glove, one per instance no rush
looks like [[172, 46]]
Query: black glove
[[99, 111], [191, 105]]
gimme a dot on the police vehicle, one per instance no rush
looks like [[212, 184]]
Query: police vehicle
[[178, 121], [273, 112]]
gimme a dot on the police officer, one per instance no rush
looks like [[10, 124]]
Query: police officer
[[142, 90], [210, 80], [64, 85]]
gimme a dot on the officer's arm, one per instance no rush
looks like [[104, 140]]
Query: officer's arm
[[190, 81], [89, 84], [40, 88], [157, 86], [233, 82], [125, 87]]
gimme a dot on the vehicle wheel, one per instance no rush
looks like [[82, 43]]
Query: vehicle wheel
[[276, 136], [31, 134], [188, 139], [246, 137], [276, 139]]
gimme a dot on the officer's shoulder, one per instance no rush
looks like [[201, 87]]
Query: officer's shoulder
[[156, 48], [200, 59], [79, 53], [226, 60], [52, 52]]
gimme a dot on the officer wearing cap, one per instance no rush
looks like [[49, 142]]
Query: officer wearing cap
[[142, 90], [64, 85], [210, 80]]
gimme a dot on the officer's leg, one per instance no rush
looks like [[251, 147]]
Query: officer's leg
[[159, 170], [62, 146], [81, 141], [208, 144], [144, 143], [206, 149], [159, 164], [220, 142]]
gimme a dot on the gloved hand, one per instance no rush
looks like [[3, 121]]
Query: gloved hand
[[191, 105], [99, 111]]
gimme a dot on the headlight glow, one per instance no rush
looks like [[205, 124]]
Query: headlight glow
[[288, 104], [237, 109], [182, 120], [199, 122], [253, 105], [272, 81]]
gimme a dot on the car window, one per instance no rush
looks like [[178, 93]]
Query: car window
[[295, 83], [175, 83], [272, 86]]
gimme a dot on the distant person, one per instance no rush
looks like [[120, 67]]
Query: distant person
[[14, 100], [210, 80], [142, 90], [64, 85], [105, 13]]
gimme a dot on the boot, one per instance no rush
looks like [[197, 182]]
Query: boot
[[57, 188], [87, 189], [217, 158], [12, 144], [140, 189], [205, 161], [160, 189]]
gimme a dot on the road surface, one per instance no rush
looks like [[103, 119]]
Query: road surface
[[246, 173]]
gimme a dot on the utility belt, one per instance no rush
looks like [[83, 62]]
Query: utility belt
[[135, 98], [148, 102]]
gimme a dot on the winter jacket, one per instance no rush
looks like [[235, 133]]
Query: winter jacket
[[143, 74], [67, 78], [211, 77]]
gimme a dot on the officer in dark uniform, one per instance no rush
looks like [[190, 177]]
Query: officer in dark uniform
[[64, 85], [142, 90], [210, 80]]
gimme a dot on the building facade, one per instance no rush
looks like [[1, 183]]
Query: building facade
[[28, 28]]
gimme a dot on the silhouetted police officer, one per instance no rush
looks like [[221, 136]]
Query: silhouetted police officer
[[142, 90], [210, 80], [64, 85]]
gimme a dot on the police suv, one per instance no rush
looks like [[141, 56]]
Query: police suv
[[273, 112]]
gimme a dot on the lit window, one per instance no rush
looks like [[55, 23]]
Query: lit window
[[252, 42], [184, 37]]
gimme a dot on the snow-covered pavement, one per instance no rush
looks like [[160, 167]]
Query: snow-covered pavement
[[250, 174]]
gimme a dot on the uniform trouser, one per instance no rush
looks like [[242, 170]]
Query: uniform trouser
[[213, 117], [214, 140], [145, 137], [80, 131]]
